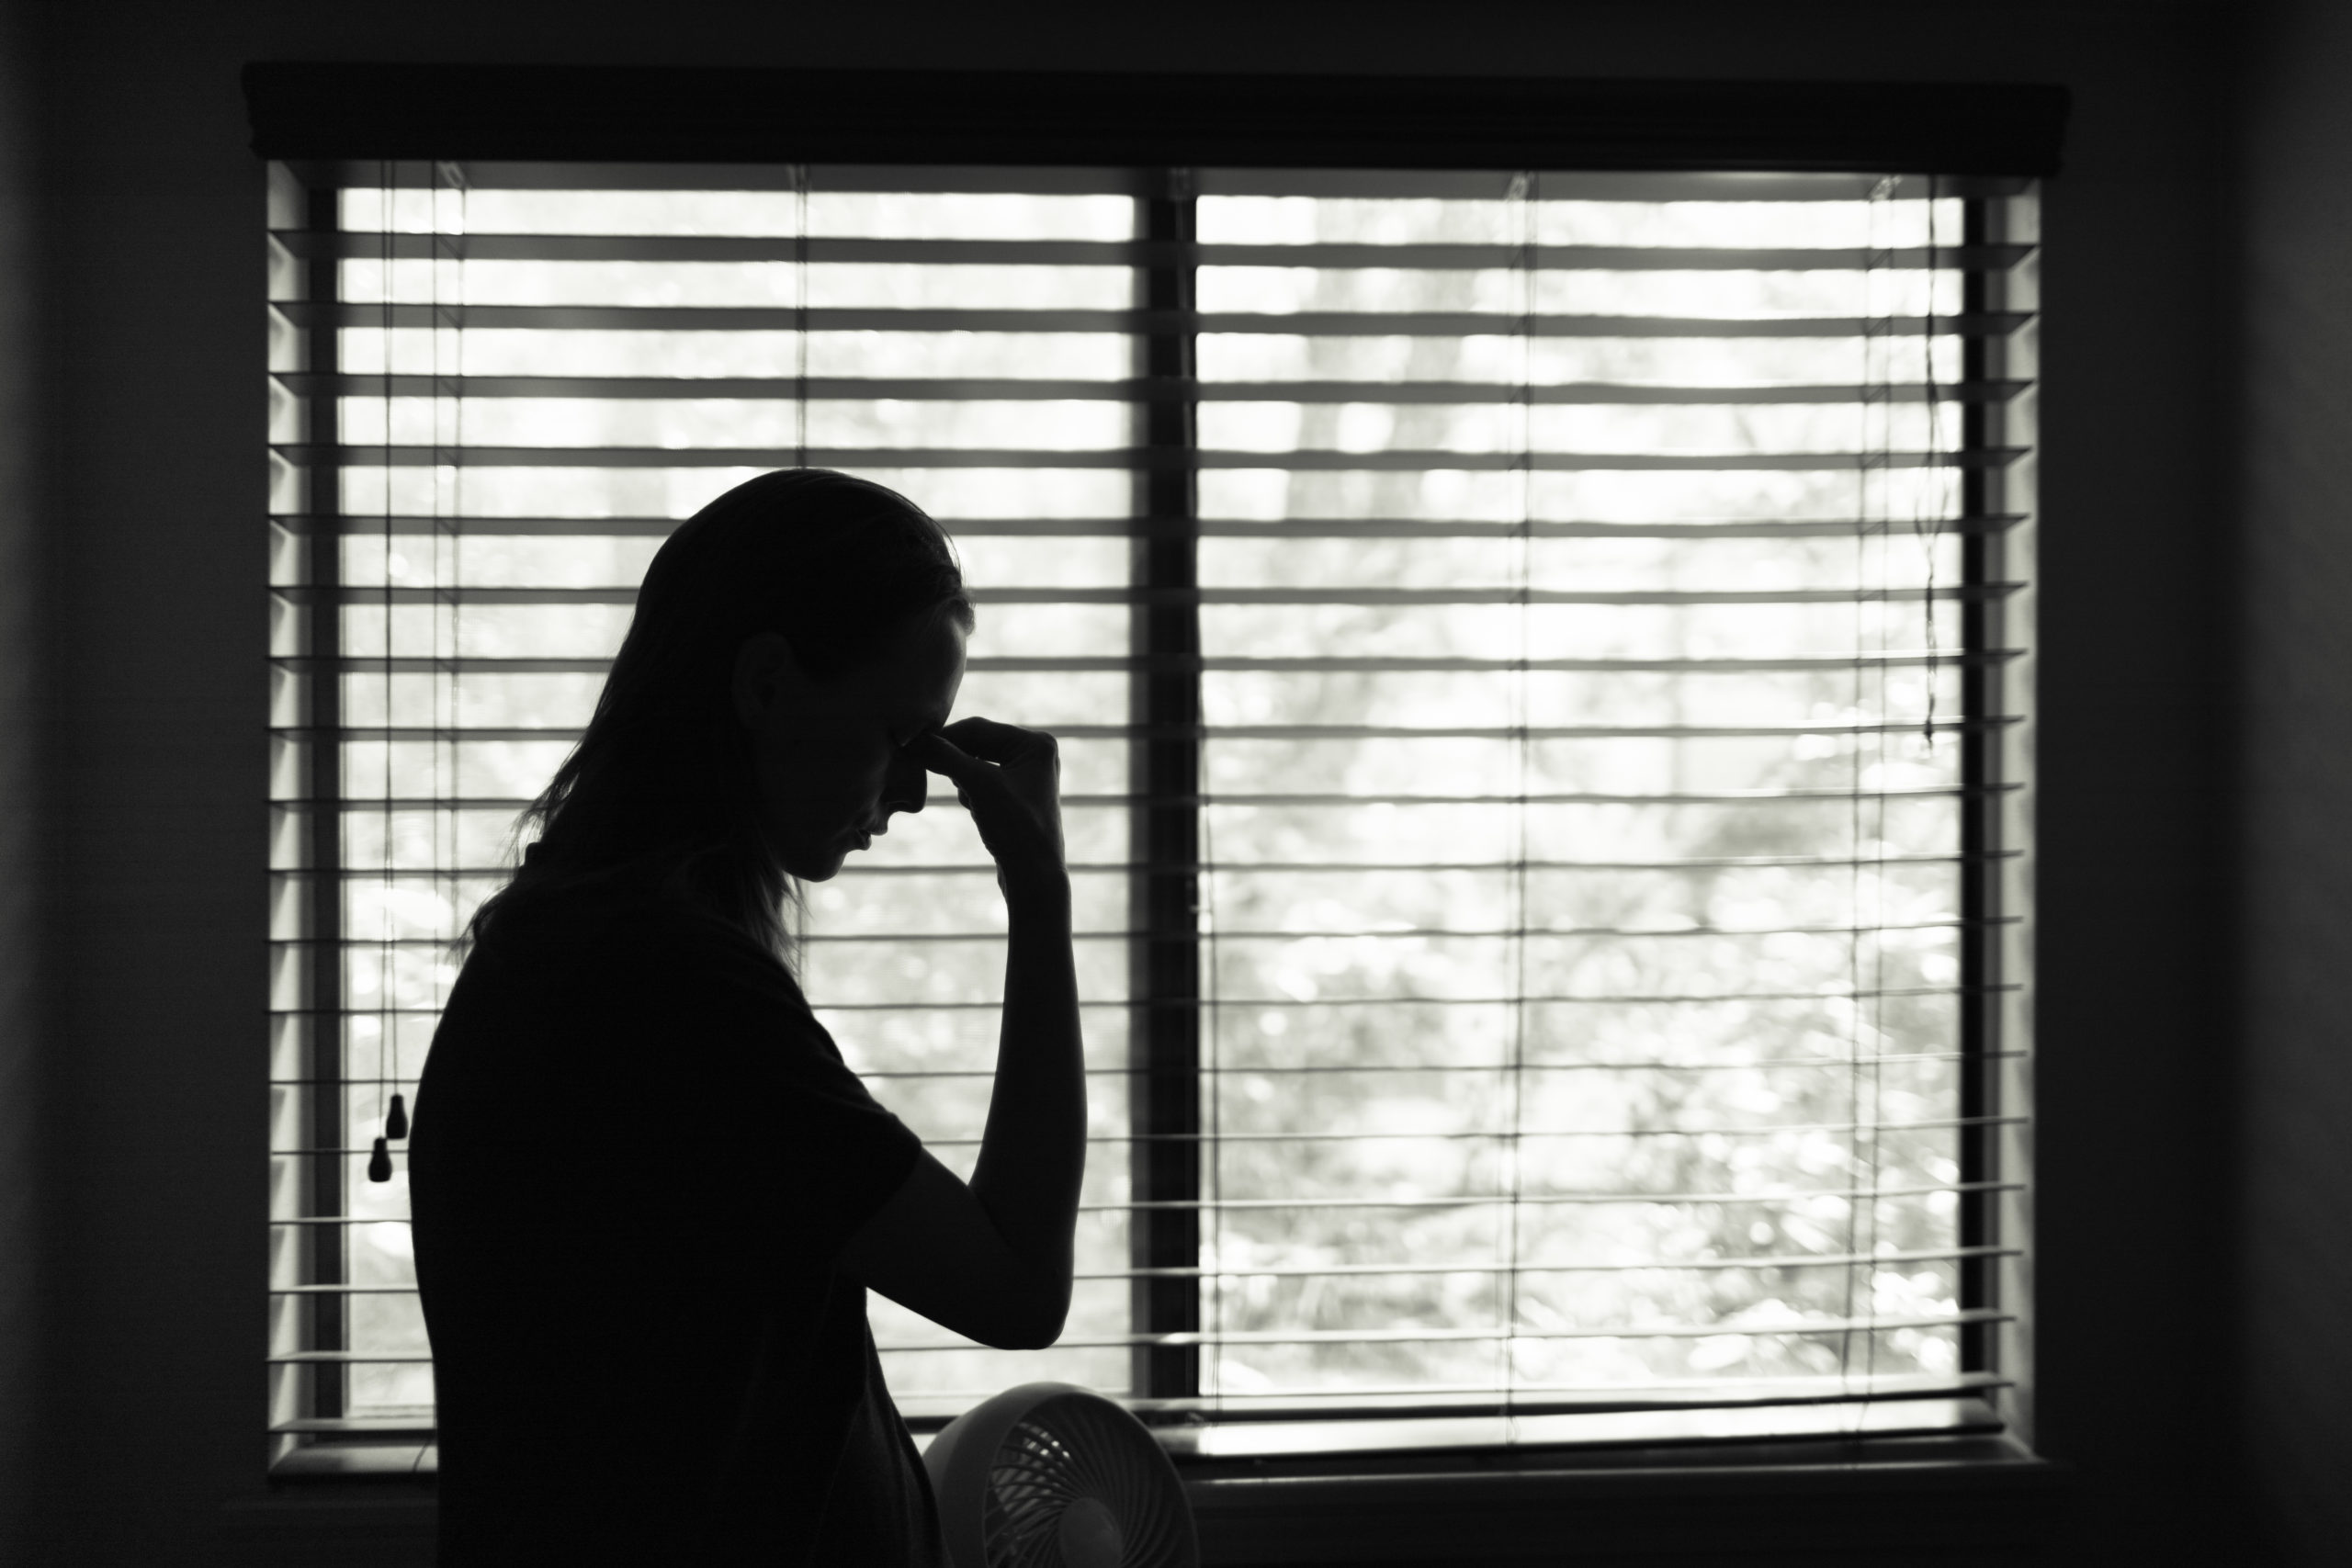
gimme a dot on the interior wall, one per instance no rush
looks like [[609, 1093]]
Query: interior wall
[[2295, 869], [152, 1409], [20, 818]]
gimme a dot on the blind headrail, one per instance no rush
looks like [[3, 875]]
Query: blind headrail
[[317, 110]]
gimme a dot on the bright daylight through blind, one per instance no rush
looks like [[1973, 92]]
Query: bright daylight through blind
[[1561, 630]]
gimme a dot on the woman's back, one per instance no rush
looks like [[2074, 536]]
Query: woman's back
[[636, 1157]]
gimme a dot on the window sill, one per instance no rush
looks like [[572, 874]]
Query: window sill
[[1949, 1499], [1956, 1499]]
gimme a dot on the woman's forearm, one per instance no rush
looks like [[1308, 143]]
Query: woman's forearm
[[1033, 1153]]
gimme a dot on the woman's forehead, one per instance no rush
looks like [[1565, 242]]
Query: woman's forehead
[[928, 670]]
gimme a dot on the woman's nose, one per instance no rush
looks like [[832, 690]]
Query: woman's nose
[[905, 787]]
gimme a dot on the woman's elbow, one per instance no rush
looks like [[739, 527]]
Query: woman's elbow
[[1039, 1325]]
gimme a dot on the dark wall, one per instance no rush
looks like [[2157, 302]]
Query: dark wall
[[152, 1283], [2295, 871], [21, 819]]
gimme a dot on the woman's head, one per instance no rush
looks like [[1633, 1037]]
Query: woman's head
[[790, 638], [829, 758]]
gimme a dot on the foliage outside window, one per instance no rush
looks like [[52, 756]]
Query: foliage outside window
[[1600, 683]]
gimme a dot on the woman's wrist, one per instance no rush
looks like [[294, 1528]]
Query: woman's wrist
[[1037, 894]]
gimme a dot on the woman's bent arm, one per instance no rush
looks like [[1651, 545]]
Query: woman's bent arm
[[993, 1260]]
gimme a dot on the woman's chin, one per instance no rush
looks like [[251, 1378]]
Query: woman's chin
[[820, 867]]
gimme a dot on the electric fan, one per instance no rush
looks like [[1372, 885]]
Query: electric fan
[[1051, 1475]]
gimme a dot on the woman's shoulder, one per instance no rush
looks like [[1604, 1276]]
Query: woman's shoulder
[[602, 970], [617, 916], [620, 945]]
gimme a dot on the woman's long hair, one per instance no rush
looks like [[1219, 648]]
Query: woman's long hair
[[661, 787]]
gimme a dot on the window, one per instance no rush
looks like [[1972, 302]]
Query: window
[[1541, 658]]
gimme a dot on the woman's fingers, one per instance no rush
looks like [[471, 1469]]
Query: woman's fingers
[[941, 755], [994, 742], [982, 748], [1010, 779]]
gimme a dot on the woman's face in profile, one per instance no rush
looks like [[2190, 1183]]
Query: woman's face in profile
[[828, 755]]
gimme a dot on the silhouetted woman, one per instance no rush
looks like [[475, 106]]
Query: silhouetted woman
[[648, 1196]]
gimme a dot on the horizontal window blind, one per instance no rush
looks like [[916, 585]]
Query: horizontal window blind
[[1539, 657]]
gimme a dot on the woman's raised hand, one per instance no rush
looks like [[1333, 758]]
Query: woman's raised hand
[[1010, 779]]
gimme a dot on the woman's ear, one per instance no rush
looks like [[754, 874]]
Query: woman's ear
[[768, 678]]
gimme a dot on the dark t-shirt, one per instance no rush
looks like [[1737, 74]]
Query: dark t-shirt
[[636, 1156]]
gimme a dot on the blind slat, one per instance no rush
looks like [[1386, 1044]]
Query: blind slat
[[1259, 1004], [1536, 998], [1579, 933], [1147, 389], [1323, 1337], [1958, 593], [1389, 460], [1241, 732], [1389, 181], [1840, 1064], [1212, 663], [1407, 1270], [1371, 1416], [1430, 1410], [477, 526], [1547, 1200], [1663, 1330], [1487, 1135], [361, 800], [1127, 323], [825, 248], [1499, 1199], [976, 868]]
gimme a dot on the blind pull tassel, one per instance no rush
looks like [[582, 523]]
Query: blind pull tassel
[[379, 1164]]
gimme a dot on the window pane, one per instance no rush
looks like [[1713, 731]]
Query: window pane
[[1585, 747], [1792, 953], [512, 581]]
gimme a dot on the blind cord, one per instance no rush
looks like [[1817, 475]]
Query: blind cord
[[1867, 1013], [1210, 1150], [800, 315], [444, 675], [1215, 1149], [1929, 506], [1874, 441], [448, 692], [1524, 196], [379, 1159], [798, 955]]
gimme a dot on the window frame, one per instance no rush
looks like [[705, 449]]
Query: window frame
[[313, 117]]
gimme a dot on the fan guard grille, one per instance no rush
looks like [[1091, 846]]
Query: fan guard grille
[[1070, 1450]]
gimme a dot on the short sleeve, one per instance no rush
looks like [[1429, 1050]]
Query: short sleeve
[[745, 1087]]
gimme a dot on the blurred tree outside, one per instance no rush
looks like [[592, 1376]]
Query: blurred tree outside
[[1647, 1083]]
